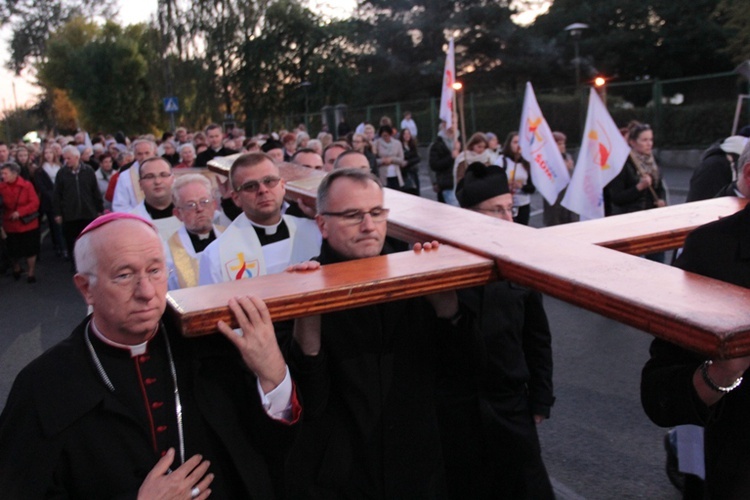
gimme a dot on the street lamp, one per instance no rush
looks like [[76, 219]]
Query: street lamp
[[458, 89], [305, 85], [576, 30]]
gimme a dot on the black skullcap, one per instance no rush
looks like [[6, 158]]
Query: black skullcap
[[480, 183]]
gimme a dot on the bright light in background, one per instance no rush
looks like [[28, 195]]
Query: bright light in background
[[135, 11]]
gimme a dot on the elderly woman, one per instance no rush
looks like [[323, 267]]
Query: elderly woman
[[20, 219], [187, 155]]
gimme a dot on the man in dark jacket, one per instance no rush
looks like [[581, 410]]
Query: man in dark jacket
[[717, 168], [126, 407], [215, 138], [488, 420], [77, 200], [683, 387], [367, 375]]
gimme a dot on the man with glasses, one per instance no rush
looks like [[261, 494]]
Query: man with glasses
[[260, 240], [368, 374], [127, 191], [195, 206], [488, 423], [126, 407], [155, 180]]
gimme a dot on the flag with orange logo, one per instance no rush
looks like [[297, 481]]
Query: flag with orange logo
[[538, 147], [603, 153], [449, 77]]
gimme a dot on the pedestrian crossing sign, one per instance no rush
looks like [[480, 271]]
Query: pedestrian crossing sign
[[171, 105]]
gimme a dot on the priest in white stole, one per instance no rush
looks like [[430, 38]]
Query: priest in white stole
[[195, 206], [260, 240]]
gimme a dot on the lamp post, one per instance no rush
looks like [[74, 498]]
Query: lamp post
[[576, 30], [459, 91], [305, 85]]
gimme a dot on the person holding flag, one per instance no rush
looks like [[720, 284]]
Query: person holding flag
[[603, 153], [538, 147]]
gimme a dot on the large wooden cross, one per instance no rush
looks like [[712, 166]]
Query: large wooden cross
[[591, 264]]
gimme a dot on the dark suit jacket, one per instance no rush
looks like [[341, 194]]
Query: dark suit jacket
[[202, 159], [64, 435], [371, 392], [719, 250]]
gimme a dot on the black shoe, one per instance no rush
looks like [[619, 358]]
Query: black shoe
[[31, 279]]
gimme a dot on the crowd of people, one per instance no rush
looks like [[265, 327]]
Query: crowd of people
[[431, 397], [359, 403]]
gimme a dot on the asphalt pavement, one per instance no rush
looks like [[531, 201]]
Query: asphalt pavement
[[598, 443]]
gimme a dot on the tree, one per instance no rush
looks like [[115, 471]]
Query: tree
[[295, 46], [634, 39], [105, 72], [33, 21], [735, 17]]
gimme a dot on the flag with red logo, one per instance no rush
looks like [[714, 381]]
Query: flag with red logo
[[449, 77], [602, 156], [538, 147]]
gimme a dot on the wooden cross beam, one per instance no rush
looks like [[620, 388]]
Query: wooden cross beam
[[566, 262]]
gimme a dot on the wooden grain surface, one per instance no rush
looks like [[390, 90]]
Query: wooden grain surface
[[334, 287], [566, 262], [649, 231]]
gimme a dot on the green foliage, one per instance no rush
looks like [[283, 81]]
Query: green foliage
[[294, 46], [632, 39], [736, 18], [33, 21], [104, 69]]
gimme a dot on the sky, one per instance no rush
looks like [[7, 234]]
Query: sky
[[134, 11]]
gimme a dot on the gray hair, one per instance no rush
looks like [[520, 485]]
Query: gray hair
[[137, 142], [86, 257], [184, 180], [187, 145], [70, 149], [354, 174], [12, 166]]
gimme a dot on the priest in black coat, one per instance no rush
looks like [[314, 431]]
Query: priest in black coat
[[127, 408]]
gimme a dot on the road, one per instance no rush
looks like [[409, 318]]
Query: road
[[597, 445]]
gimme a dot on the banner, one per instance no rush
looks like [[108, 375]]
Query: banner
[[449, 77], [603, 153], [538, 147]]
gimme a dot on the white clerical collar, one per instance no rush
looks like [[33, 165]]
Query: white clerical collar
[[270, 230], [135, 350]]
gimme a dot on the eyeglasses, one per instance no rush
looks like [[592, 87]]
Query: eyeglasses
[[513, 212], [160, 175], [352, 217], [269, 181], [131, 281], [192, 206]]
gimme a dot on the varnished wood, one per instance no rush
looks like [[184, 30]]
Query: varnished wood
[[649, 231], [566, 262], [334, 287]]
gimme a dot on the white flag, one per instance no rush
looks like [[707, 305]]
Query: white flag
[[446, 96], [603, 153], [538, 147]]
